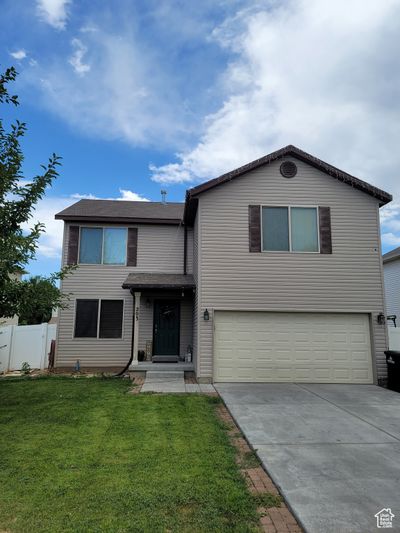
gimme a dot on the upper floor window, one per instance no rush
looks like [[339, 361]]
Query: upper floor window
[[103, 245], [290, 229]]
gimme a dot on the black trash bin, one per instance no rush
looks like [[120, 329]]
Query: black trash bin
[[393, 369]]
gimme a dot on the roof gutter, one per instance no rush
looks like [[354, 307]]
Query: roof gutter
[[118, 220]]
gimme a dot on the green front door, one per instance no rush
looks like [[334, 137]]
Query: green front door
[[166, 327]]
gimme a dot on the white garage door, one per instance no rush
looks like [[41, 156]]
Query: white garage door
[[292, 347]]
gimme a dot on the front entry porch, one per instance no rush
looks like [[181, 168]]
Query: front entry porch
[[162, 332]]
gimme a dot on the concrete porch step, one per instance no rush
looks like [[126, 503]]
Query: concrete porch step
[[167, 376], [165, 359], [146, 366]]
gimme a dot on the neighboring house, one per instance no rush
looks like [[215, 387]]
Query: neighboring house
[[271, 272], [391, 270]]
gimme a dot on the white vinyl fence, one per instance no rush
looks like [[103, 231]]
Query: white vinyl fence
[[394, 339], [30, 344]]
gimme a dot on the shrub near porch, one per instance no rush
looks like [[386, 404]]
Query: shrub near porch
[[82, 455]]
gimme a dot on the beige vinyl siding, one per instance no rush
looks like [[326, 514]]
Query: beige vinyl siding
[[196, 260], [186, 329], [147, 318], [189, 251], [231, 278], [145, 321], [160, 249], [392, 288]]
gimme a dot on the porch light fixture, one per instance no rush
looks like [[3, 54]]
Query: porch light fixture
[[381, 319], [206, 315]]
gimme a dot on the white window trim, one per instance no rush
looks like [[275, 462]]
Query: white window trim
[[98, 338], [102, 247], [290, 251]]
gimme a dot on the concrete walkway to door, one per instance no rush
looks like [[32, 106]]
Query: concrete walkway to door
[[173, 382], [332, 450]]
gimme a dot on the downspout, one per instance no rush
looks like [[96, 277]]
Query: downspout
[[132, 343], [185, 250]]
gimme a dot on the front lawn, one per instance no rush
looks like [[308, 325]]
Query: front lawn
[[82, 455]]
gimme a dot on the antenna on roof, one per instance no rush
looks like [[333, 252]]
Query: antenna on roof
[[163, 196]]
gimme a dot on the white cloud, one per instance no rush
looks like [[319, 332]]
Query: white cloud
[[128, 95], [88, 29], [18, 54], [390, 225], [171, 173], [76, 59], [50, 243], [390, 212], [132, 196], [303, 73], [390, 239], [90, 196], [126, 194], [53, 12]]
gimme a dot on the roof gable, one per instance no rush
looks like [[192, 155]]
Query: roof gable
[[290, 150], [392, 255]]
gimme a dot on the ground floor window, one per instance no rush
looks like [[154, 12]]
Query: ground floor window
[[98, 318]]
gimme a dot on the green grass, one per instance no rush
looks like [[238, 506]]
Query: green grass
[[249, 460], [268, 500], [82, 455]]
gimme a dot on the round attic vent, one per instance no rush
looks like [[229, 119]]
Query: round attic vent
[[288, 169]]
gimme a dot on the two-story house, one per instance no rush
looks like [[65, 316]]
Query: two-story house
[[271, 272]]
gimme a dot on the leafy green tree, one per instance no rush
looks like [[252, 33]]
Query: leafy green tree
[[18, 198], [39, 297]]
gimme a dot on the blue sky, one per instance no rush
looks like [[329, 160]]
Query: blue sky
[[142, 95]]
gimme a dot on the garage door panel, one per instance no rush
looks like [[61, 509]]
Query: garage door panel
[[290, 347], [360, 357]]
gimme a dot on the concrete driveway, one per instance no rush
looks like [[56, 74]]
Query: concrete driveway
[[332, 450]]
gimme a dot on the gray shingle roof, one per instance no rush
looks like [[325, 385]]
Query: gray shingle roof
[[390, 256], [123, 211], [145, 280]]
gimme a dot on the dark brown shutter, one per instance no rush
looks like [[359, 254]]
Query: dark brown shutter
[[325, 231], [254, 228], [73, 241], [132, 247]]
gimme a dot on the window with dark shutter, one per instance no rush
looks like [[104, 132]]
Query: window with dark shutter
[[86, 318], [325, 230], [132, 247], [111, 312], [254, 228], [73, 241], [293, 229]]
